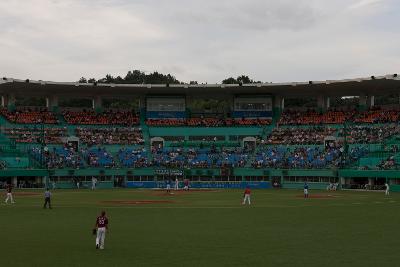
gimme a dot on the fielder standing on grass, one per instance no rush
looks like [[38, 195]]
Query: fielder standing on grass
[[9, 189], [94, 182], [100, 229], [47, 198], [176, 183], [246, 195], [305, 190], [387, 189], [168, 185]]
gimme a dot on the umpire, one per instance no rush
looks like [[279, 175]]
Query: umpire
[[47, 198]]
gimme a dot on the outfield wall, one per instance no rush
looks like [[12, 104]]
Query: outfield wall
[[108, 178], [198, 185]]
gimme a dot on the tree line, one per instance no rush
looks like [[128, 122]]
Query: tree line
[[140, 77]]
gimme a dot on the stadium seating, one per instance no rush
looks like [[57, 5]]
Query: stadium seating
[[165, 122], [199, 157], [311, 117], [367, 134], [133, 157], [110, 136], [300, 136], [209, 122], [110, 117], [299, 158], [29, 116], [35, 135], [98, 157], [297, 141]]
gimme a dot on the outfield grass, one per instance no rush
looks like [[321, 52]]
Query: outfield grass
[[203, 229]]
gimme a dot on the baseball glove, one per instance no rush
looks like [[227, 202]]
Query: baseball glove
[[94, 231]]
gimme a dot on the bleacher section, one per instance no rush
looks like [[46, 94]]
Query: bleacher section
[[118, 144], [35, 134], [208, 122], [110, 136], [110, 117], [312, 117], [29, 116]]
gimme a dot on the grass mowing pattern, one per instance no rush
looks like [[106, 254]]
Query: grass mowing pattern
[[203, 229]]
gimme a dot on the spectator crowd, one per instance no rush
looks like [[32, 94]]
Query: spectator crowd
[[109, 117], [300, 136], [298, 158], [209, 122], [362, 134], [312, 117], [36, 134], [29, 116], [110, 136]]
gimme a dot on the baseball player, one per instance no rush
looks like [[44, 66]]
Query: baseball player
[[100, 228], [176, 184], [186, 183], [246, 195], [9, 189], [387, 189], [305, 190], [169, 185], [94, 182], [47, 198]]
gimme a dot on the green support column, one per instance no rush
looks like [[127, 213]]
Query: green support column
[[11, 102], [97, 104], [52, 103], [323, 103], [142, 109], [4, 101], [362, 105], [278, 107]]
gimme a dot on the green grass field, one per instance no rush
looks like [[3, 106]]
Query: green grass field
[[203, 229]]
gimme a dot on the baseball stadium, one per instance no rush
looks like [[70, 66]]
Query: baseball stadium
[[170, 169]]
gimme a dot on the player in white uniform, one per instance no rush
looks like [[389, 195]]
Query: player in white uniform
[[94, 182], [9, 194], [305, 190], [176, 184], [246, 196], [387, 189]]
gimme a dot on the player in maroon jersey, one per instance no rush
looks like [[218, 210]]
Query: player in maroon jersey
[[186, 183], [101, 226], [9, 189], [246, 195]]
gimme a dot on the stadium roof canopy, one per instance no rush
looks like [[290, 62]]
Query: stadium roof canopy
[[379, 85]]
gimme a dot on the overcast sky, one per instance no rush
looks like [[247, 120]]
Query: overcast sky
[[204, 40]]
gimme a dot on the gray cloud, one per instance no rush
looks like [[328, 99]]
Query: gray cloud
[[250, 15], [199, 40]]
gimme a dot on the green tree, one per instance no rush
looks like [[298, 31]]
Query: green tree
[[230, 80], [242, 79]]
